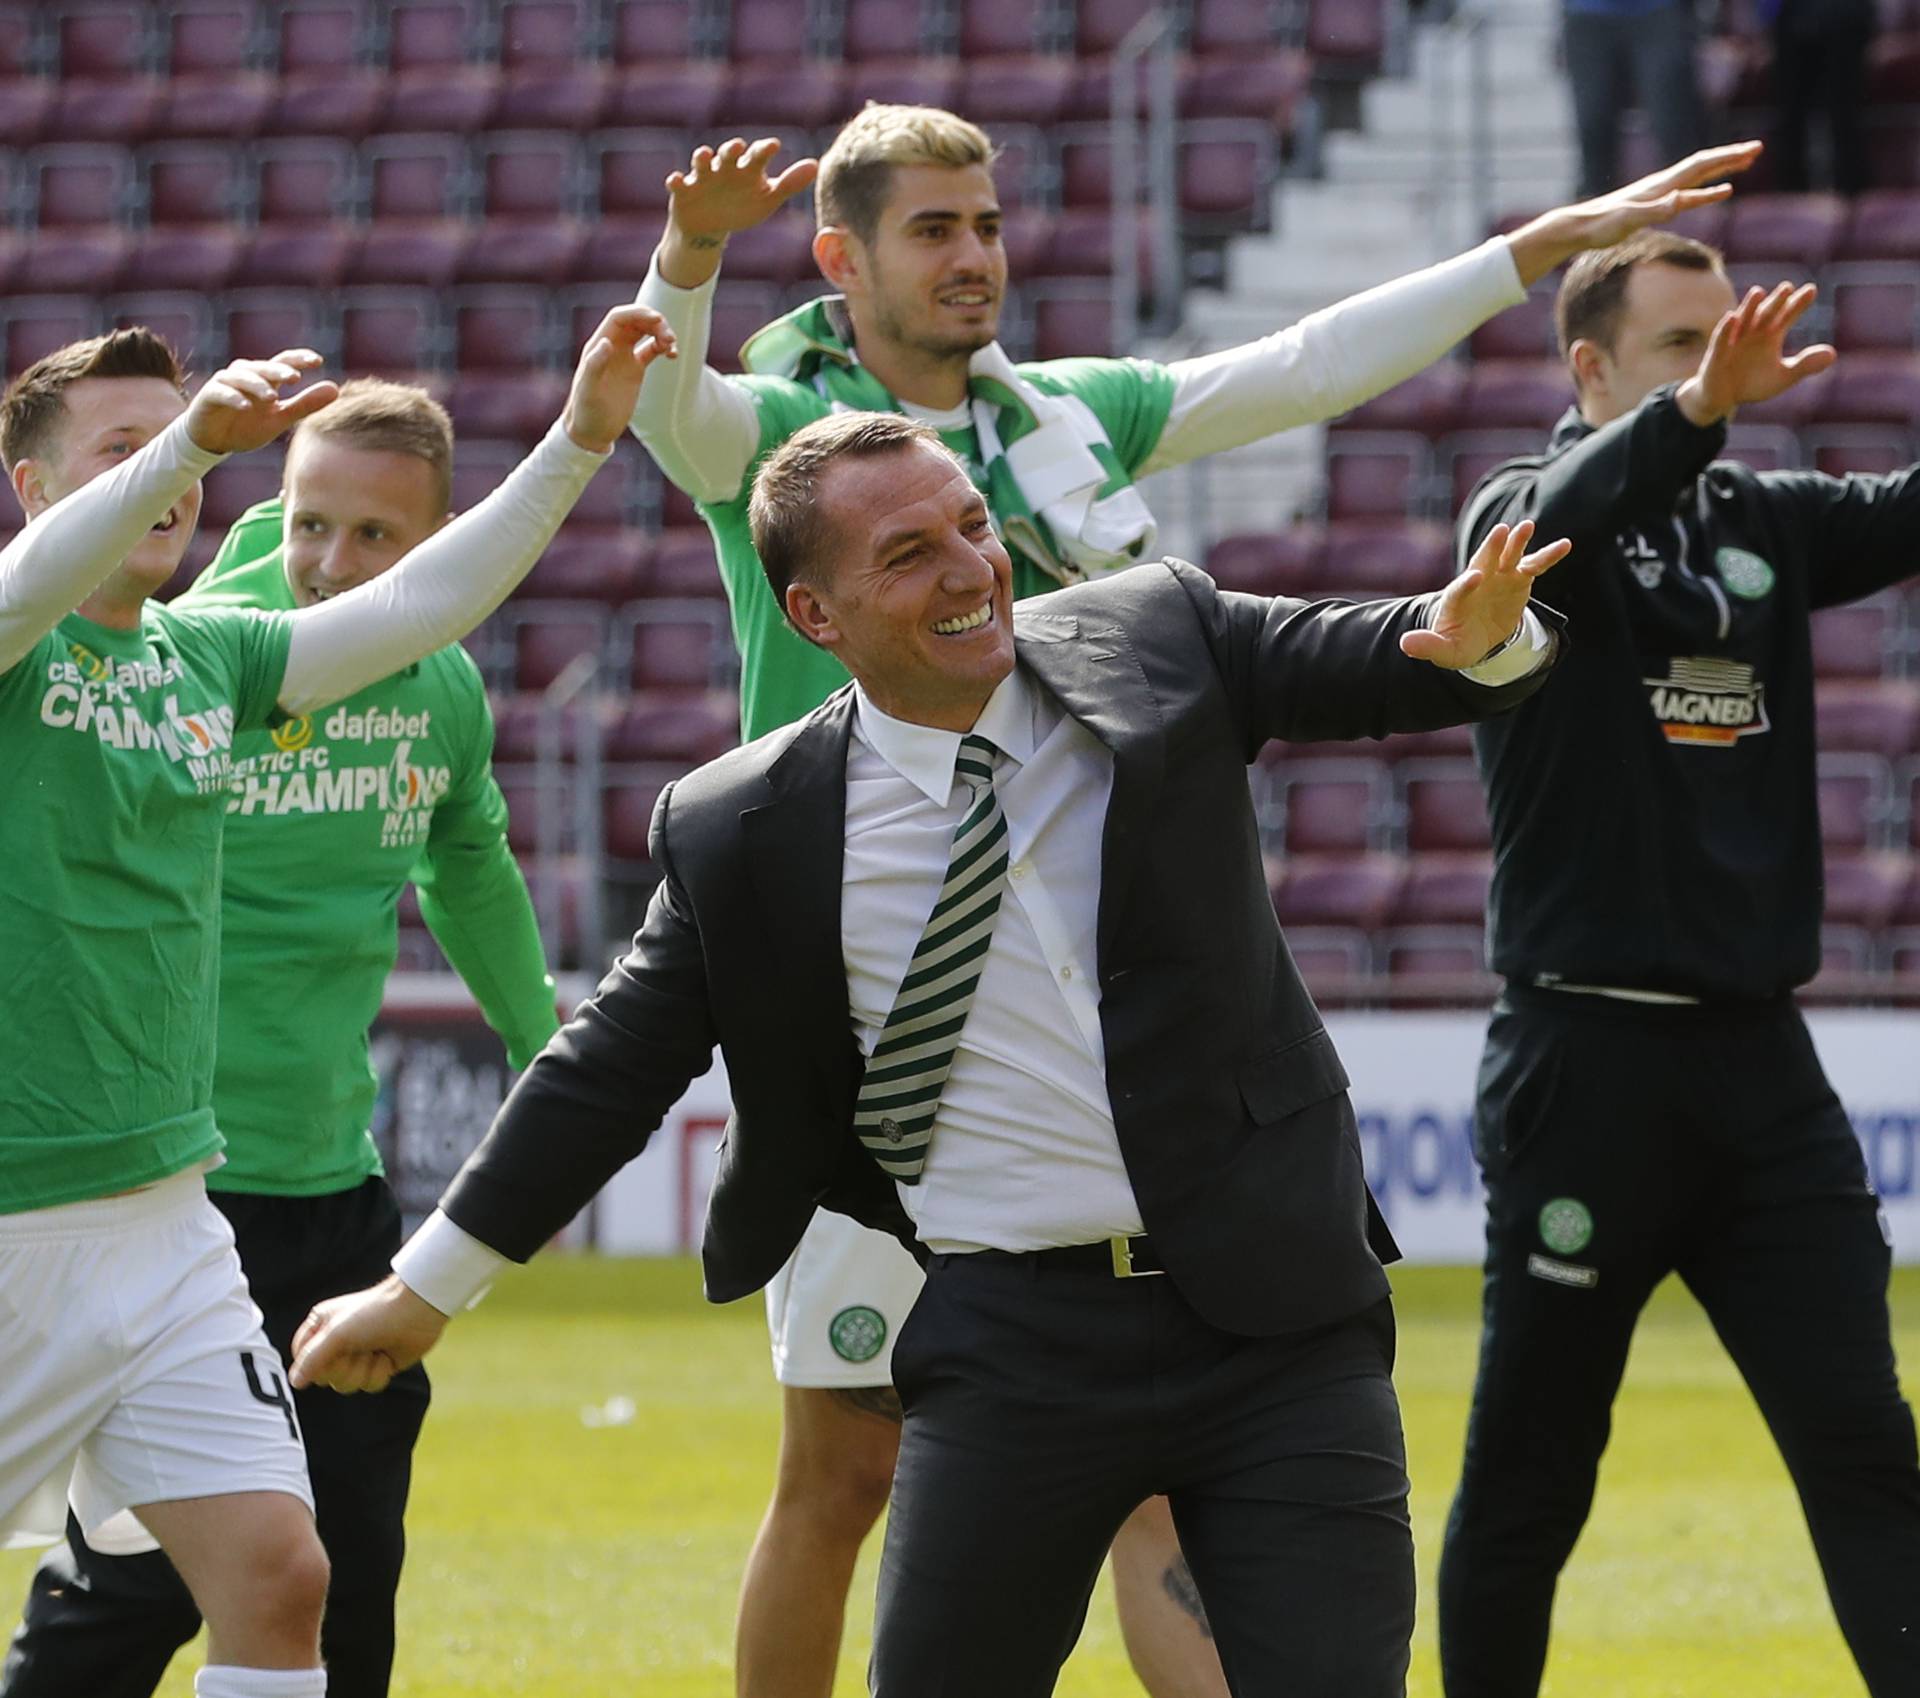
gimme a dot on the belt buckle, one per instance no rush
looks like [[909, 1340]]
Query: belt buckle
[[1121, 1247]]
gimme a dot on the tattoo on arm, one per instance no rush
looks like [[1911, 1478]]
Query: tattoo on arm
[[1179, 1586], [706, 241], [882, 1401]]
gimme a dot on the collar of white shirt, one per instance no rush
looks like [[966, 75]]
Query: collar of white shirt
[[924, 755]]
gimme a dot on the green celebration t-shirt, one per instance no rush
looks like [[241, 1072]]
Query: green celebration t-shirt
[[783, 677], [328, 817], [119, 748]]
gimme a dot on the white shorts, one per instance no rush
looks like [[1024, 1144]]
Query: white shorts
[[136, 1370], [835, 1309]]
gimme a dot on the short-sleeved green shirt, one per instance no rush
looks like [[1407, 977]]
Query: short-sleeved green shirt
[[118, 751], [329, 816], [782, 676]]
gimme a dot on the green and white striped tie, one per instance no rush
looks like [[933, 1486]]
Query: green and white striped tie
[[907, 1071]]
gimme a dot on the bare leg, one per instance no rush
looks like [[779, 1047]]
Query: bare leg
[[255, 1567], [1161, 1618], [837, 1450]]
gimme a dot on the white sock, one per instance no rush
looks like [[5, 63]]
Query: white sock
[[230, 1681]]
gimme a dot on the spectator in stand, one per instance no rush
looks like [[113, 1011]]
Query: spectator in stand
[[1623, 53], [1820, 66]]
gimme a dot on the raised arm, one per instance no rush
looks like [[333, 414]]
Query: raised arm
[[1334, 359], [72, 548], [585, 1108], [461, 573], [700, 428]]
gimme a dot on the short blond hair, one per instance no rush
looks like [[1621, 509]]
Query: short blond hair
[[388, 418], [856, 172]]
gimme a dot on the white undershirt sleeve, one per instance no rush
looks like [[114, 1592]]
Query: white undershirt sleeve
[[445, 1265], [1523, 656], [67, 553], [701, 430], [1333, 359], [440, 590]]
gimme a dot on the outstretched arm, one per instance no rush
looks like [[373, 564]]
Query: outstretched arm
[[700, 428], [71, 549], [461, 573], [1334, 359]]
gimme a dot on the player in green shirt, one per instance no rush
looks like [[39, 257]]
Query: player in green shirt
[[910, 238], [331, 814], [137, 1372]]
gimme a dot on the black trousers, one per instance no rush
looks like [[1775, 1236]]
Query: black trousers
[[1042, 1405], [106, 1627], [1821, 74], [1614, 64], [1622, 1143]]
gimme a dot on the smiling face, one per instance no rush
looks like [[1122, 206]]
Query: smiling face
[[104, 421], [352, 512], [911, 591], [1666, 319], [931, 279]]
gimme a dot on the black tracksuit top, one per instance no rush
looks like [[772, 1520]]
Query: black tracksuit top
[[1655, 817]]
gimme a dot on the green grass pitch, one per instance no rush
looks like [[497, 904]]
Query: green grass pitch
[[554, 1558]]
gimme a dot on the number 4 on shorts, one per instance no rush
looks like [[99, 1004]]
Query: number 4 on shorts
[[280, 1398]]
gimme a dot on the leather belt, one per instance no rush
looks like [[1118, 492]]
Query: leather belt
[[1123, 1256]]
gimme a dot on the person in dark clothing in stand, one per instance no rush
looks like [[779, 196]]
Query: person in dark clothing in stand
[[1820, 71], [1626, 53], [1649, 1100]]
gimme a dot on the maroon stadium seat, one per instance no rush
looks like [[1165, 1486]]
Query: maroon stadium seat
[[1448, 742], [36, 325], [529, 186], [1524, 332], [1797, 230], [770, 93], [1893, 69], [300, 180], [902, 82], [1347, 37], [550, 636], [325, 89], [684, 565], [202, 256], [1271, 88], [599, 564], [1241, 28], [1856, 800], [1445, 806], [992, 29], [235, 485], [780, 250], [259, 323], [104, 55], [426, 254], [1471, 454], [182, 316], [503, 330], [79, 185], [1455, 954], [1427, 402], [1856, 640], [1376, 474], [1839, 449], [189, 184], [897, 30], [1332, 805], [1270, 562], [616, 251], [1885, 225], [1516, 395], [1445, 887], [683, 729], [677, 511], [665, 94], [25, 103], [1871, 388], [1224, 175], [676, 645], [1032, 90], [1337, 890], [1334, 960], [520, 404], [739, 309], [617, 494], [628, 804], [433, 83], [479, 466], [414, 176], [1766, 448], [1866, 888], [1368, 558], [1793, 407], [1873, 306], [392, 332], [548, 78], [85, 260], [1875, 716], [628, 170], [214, 87], [1071, 320], [296, 255]]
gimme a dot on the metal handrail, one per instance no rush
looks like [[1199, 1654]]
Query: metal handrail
[[577, 678], [1152, 35]]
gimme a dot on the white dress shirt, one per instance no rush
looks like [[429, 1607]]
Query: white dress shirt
[[1024, 1154]]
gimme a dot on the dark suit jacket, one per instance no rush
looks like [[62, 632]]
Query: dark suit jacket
[[1227, 1095]]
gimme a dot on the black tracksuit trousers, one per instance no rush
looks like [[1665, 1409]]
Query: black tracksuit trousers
[[107, 1626], [1621, 1143]]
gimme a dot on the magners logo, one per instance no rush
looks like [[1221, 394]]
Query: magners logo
[[1704, 700]]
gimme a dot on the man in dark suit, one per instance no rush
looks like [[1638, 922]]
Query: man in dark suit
[[987, 944]]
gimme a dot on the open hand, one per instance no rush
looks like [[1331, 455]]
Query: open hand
[[1555, 237], [241, 407], [606, 383], [728, 188], [1746, 358], [1482, 607], [360, 1341]]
